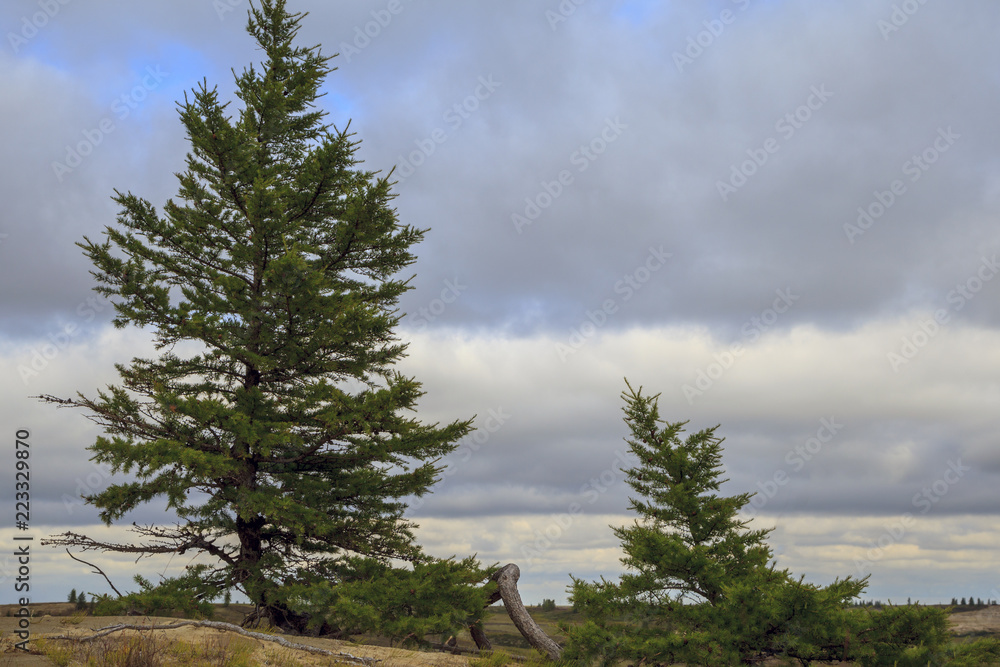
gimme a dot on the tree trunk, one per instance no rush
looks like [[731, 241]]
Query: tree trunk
[[506, 578], [478, 636]]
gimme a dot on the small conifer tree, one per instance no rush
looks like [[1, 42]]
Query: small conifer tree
[[701, 587], [72, 596]]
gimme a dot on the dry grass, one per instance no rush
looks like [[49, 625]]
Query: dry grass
[[184, 646], [204, 646]]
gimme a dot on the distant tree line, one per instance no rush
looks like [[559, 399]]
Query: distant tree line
[[971, 602], [955, 602]]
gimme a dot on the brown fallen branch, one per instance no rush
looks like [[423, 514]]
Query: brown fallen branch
[[506, 578], [218, 625]]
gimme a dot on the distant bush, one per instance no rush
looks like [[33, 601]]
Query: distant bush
[[548, 605]]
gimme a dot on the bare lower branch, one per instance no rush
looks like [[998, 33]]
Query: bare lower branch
[[97, 570], [159, 541], [71, 539]]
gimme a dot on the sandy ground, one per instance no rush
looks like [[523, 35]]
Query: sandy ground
[[266, 653], [974, 622], [269, 653]]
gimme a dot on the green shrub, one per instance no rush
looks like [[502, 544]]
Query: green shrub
[[187, 595]]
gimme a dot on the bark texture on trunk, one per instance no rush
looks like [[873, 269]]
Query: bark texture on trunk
[[506, 578], [478, 636]]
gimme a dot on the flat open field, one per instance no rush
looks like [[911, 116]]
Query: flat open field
[[192, 645], [201, 646]]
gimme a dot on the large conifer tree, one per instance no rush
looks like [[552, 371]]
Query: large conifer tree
[[280, 442]]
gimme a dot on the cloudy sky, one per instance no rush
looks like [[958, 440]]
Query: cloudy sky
[[783, 216]]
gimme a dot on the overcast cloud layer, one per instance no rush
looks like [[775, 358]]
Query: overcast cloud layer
[[782, 215]]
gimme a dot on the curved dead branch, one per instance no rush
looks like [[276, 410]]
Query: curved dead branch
[[506, 578]]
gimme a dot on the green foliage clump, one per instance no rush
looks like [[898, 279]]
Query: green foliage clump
[[984, 651], [702, 588], [548, 605], [363, 595], [187, 595]]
